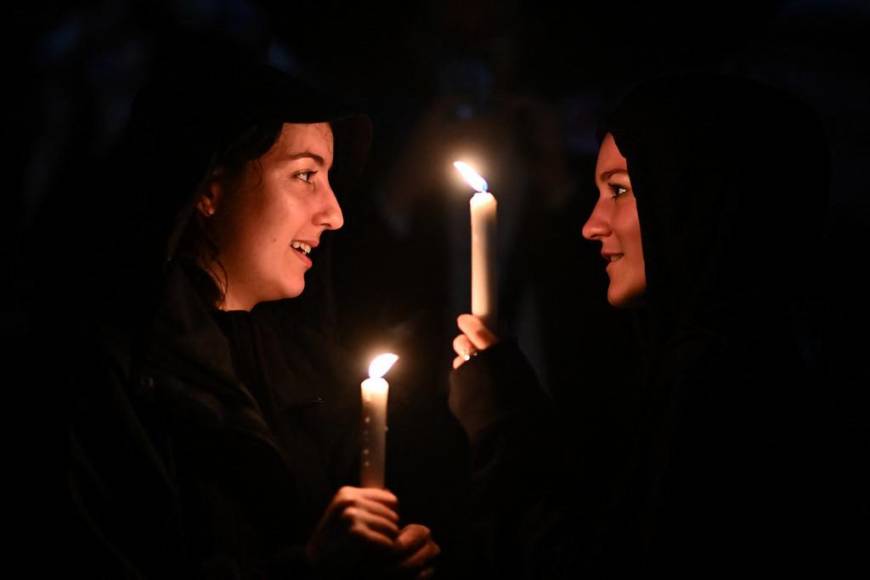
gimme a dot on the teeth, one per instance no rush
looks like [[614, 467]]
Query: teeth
[[615, 258], [306, 249]]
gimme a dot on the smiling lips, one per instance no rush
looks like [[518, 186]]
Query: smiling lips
[[611, 257], [303, 249]]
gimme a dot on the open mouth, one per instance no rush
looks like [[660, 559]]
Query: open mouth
[[301, 247]]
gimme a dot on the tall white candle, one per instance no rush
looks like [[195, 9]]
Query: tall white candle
[[374, 421], [484, 281]]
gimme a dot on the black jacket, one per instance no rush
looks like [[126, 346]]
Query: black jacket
[[204, 445], [730, 465]]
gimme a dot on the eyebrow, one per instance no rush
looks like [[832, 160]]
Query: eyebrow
[[610, 173], [305, 154]]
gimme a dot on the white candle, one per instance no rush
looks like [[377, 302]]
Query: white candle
[[374, 421], [484, 281]]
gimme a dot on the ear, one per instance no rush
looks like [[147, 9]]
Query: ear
[[209, 201]]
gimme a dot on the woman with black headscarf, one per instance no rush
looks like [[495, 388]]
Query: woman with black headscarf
[[209, 432], [712, 194]]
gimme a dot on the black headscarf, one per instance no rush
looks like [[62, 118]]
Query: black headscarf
[[730, 179], [731, 183]]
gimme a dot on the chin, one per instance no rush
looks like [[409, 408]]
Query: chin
[[616, 302], [294, 290], [624, 299], [283, 291]]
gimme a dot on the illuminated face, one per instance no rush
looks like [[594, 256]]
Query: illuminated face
[[267, 225], [614, 222]]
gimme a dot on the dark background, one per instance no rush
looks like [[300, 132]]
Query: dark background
[[515, 86]]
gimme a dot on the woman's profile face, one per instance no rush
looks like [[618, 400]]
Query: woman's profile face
[[268, 223], [614, 222]]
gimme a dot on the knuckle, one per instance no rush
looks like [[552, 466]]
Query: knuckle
[[350, 514]]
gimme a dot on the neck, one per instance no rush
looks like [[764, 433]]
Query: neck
[[232, 302], [225, 299]]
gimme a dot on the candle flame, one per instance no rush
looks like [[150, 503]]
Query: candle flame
[[471, 176], [381, 364]]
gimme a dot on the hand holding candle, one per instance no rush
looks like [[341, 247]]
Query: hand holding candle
[[484, 281], [374, 421]]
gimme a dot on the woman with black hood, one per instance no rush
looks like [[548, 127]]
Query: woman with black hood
[[211, 429], [712, 193]]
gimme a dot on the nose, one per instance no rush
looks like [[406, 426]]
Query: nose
[[598, 224], [329, 217]]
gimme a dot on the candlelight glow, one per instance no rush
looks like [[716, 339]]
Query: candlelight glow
[[471, 176], [381, 364]]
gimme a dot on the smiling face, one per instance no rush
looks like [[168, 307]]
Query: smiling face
[[614, 222], [267, 222]]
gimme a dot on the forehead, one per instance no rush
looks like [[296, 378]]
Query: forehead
[[609, 157], [296, 138]]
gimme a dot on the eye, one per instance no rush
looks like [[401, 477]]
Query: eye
[[617, 190], [305, 175]]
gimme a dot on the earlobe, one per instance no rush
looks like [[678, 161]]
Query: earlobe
[[208, 201], [205, 206]]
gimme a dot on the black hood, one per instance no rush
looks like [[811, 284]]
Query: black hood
[[187, 117], [731, 179], [104, 236]]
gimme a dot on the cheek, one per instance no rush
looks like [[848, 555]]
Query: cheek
[[636, 247], [629, 226], [275, 217], [635, 239]]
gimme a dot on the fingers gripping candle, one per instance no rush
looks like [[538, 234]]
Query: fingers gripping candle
[[374, 421], [484, 281]]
